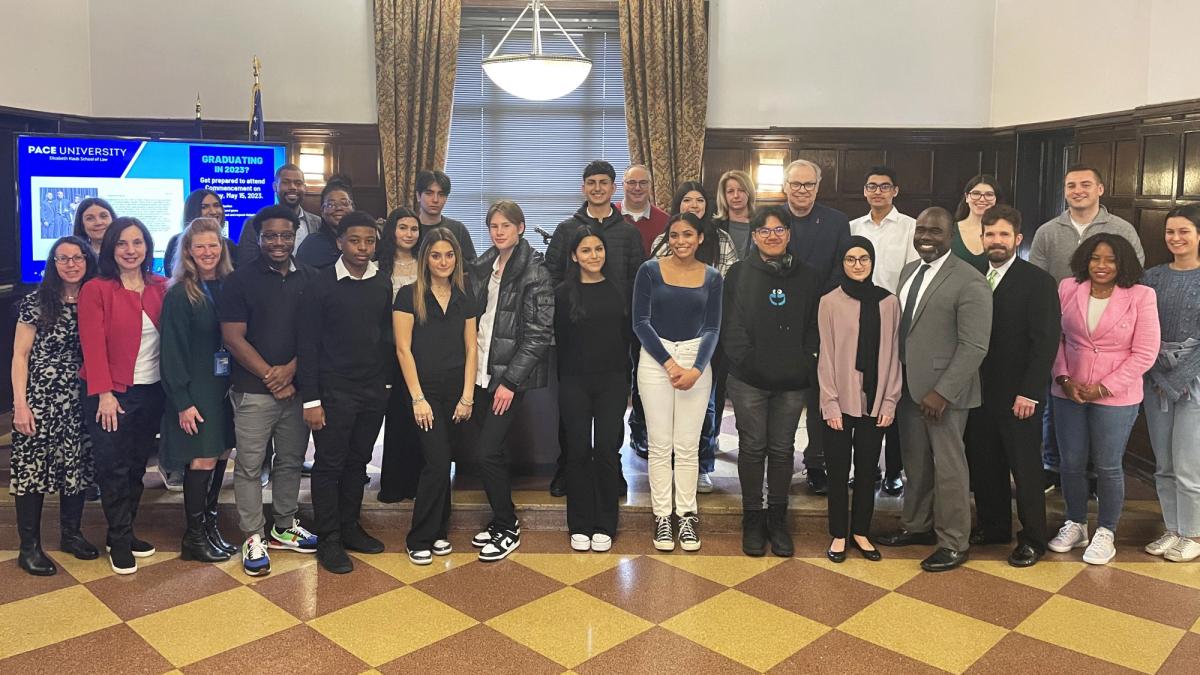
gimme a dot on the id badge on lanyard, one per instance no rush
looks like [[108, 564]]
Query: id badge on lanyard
[[221, 358]]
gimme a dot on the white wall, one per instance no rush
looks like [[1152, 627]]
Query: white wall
[[44, 56], [150, 57], [1174, 51], [852, 63]]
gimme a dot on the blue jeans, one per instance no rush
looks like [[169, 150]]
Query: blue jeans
[[1175, 437], [1098, 433]]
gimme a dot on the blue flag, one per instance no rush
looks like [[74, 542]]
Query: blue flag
[[258, 127]]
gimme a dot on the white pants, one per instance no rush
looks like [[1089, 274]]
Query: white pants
[[673, 422]]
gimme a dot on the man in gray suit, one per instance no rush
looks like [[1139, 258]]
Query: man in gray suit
[[289, 191], [945, 326]]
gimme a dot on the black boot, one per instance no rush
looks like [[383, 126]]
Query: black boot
[[70, 514], [754, 533], [777, 530], [210, 510], [32, 558], [195, 545]]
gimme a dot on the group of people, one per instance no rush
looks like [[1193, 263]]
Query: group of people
[[58, 207], [929, 336]]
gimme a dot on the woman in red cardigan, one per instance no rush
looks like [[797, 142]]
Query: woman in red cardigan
[[118, 330]]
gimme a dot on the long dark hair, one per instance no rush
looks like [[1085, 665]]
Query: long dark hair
[[191, 207], [84, 206], [385, 252], [572, 281], [1129, 269], [708, 250], [49, 291], [108, 248], [964, 209]]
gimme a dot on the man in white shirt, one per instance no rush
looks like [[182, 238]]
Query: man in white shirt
[[892, 234]]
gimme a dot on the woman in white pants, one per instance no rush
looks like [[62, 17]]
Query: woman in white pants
[[676, 316]]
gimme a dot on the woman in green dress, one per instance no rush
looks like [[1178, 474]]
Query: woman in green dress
[[195, 375], [982, 193]]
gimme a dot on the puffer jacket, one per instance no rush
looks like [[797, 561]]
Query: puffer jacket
[[524, 317], [623, 255]]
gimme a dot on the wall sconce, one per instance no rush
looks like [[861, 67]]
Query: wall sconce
[[313, 163], [768, 171]]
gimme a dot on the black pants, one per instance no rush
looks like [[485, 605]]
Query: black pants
[[121, 455], [431, 508], [593, 455], [861, 438], [402, 460], [999, 444], [893, 462], [492, 456], [637, 415], [814, 452], [344, 446]]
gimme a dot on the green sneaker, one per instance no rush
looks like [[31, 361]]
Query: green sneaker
[[295, 538]]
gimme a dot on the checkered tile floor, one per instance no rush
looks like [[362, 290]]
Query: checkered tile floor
[[546, 611]]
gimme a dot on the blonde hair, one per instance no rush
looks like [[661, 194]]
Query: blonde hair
[[424, 281], [186, 272], [747, 184]]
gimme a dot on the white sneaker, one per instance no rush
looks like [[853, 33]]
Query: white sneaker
[[581, 542], [1184, 550], [1101, 551], [442, 547], [704, 484], [1159, 546], [1070, 535], [420, 557], [601, 542]]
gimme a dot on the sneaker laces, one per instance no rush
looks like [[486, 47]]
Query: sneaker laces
[[1102, 533], [1166, 538], [687, 527], [1069, 528], [256, 548], [663, 527], [298, 530]]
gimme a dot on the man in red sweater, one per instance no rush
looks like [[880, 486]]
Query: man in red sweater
[[638, 208]]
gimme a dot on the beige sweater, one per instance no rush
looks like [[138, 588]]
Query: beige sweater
[[841, 383]]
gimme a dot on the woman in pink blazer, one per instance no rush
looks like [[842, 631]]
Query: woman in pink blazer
[[1110, 339]]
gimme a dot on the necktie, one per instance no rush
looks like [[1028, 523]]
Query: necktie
[[991, 278], [910, 306]]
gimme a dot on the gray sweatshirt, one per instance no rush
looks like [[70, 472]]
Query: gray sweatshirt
[[1056, 241]]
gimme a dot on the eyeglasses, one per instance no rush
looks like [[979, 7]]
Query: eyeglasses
[[879, 187], [69, 259], [637, 183], [975, 195], [341, 204], [855, 262], [765, 232], [802, 187], [283, 237]]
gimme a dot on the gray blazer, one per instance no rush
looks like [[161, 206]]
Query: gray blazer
[[949, 334]]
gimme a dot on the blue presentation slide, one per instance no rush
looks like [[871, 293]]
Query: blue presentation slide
[[149, 180]]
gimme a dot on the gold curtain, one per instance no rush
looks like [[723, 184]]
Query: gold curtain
[[664, 51], [416, 51]]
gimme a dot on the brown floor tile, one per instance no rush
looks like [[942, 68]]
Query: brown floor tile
[[1185, 660], [1136, 594], [118, 648], [976, 594], [645, 654], [320, 655], [837, 652], [486, 590], [812, 592], [17, 584], [310, 592], [160, 586], [479, 649], [650, 589], [1016, 653]]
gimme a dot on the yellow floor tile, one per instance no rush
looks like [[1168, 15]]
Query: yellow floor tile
[[391, 625], [1183, 574], [569, 626], [570, 568], [1047, 576], [282, 562], [51, 617], [5, 556], [723, 569], [201, 628], [745, 629], [925, 632], [86, 571], [398, 566], [1196, 626], [1126, 640], [887, 573]]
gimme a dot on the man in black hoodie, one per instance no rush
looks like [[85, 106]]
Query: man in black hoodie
[[769, 336]]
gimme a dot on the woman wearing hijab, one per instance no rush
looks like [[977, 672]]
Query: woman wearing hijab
[[859, 375]]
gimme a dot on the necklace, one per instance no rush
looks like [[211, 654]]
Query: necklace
[[1101, 293]]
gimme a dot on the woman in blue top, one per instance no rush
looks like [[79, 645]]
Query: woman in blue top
[[676, 316]]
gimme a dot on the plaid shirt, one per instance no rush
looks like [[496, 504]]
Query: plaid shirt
[[726, 251]]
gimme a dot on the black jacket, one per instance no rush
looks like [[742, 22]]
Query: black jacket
[[818, 239], [769, 323], [1026, 326], [524, 317], [623, 255]]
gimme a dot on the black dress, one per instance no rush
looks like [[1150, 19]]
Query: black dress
[[58, 457]]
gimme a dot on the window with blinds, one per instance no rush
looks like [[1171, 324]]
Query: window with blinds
[[532, 152]]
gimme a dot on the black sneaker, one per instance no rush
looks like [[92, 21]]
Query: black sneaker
[[121, 560], [818, 482], [504, 541], [137, 548], [332, 555], [355, 538], [485, 537], [689, 539], [664, 538]]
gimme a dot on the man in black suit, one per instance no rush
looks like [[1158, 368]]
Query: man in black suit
[[1005, 434]]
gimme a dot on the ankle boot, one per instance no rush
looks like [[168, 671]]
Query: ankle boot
[[210, 511], [195, 544], [754, 533], [32, 558], [70, 514], [777, 530]]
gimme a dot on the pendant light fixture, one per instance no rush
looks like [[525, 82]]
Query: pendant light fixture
[[537, 76]]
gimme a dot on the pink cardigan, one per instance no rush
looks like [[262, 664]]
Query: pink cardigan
[[840, 382], [1120, 351]]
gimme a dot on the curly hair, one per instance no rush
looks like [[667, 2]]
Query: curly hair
[[1129, 270]]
